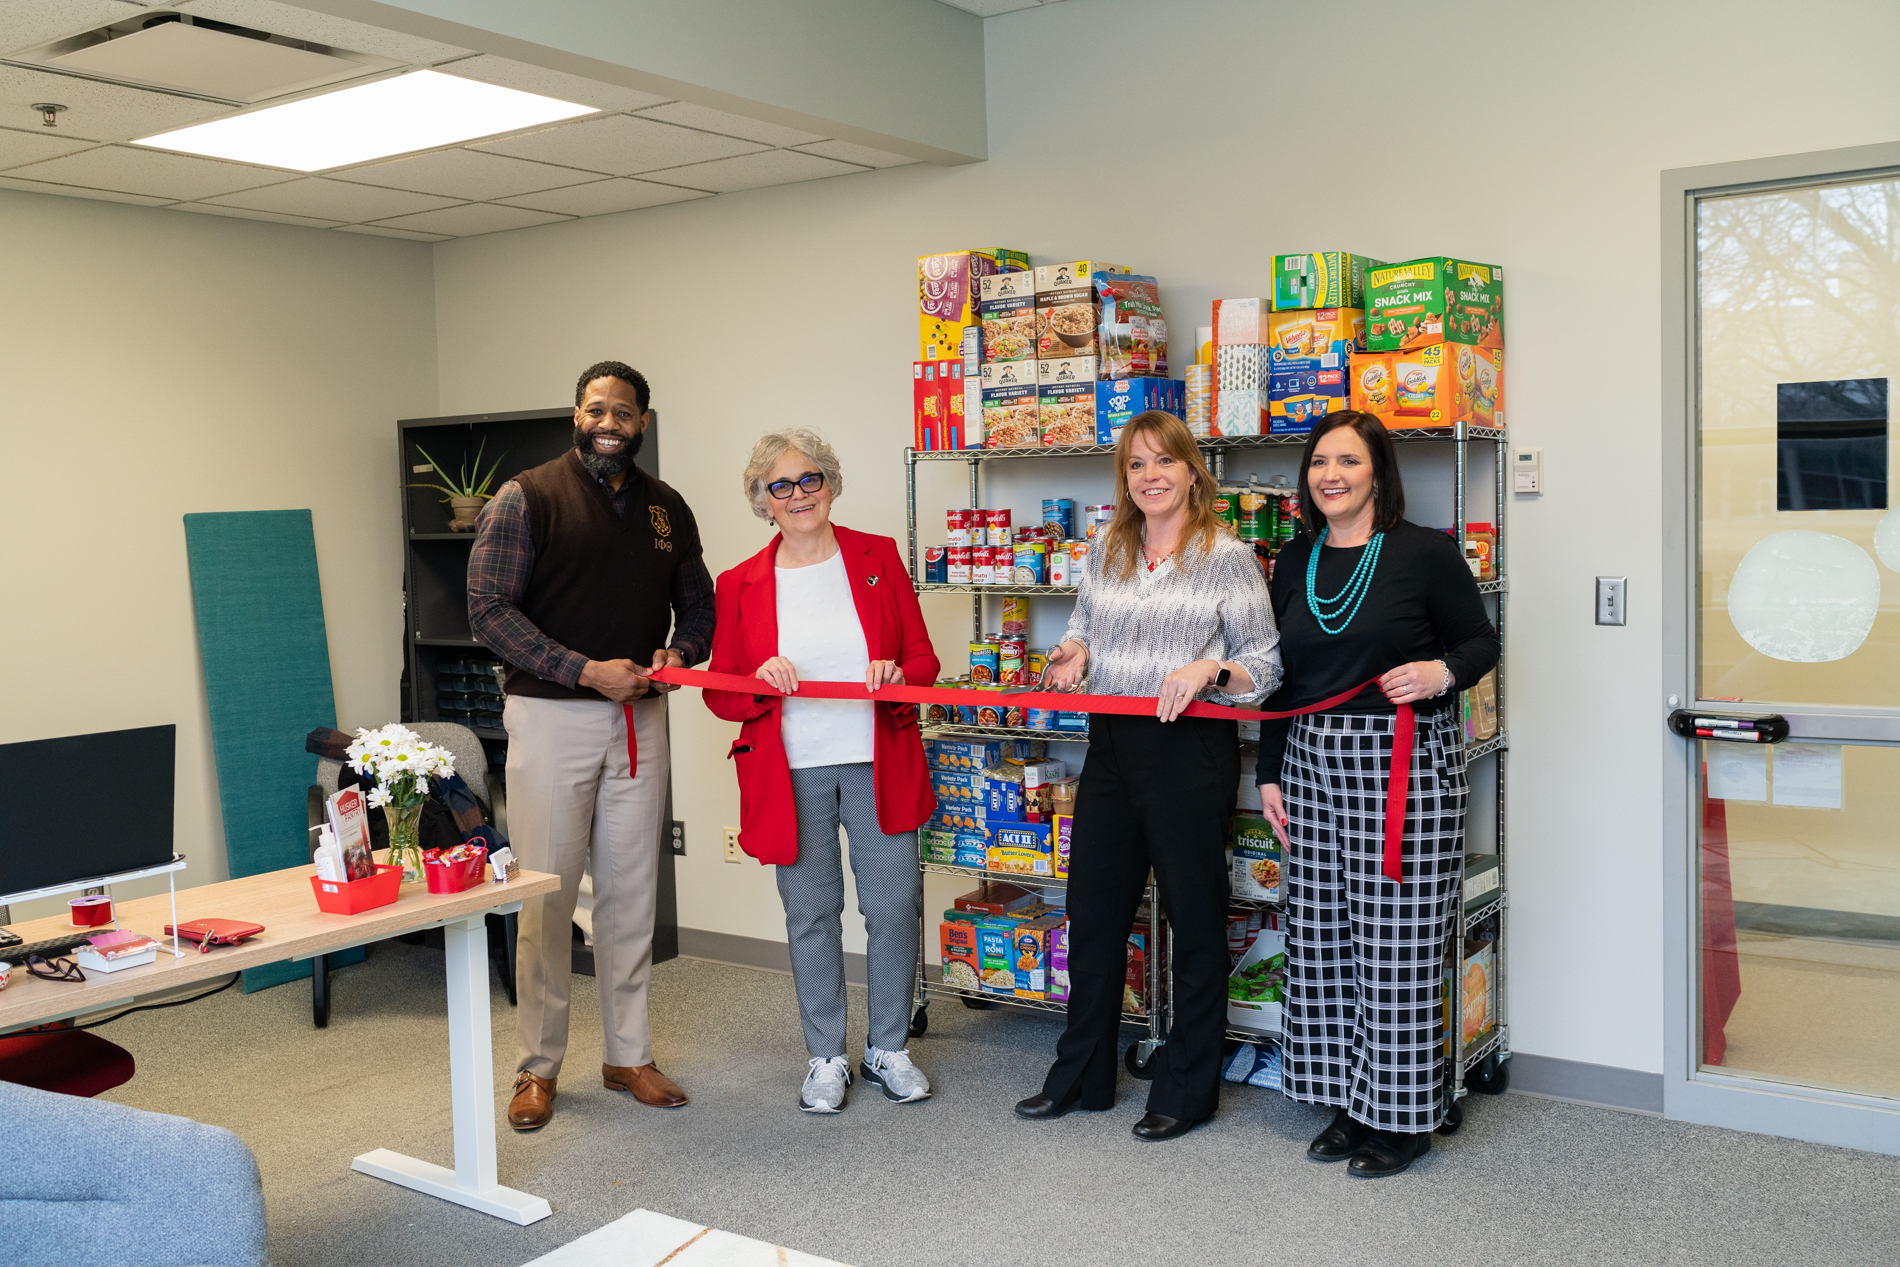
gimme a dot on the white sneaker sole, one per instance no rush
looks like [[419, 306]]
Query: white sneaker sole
[[870, 1075], [817, 1108]]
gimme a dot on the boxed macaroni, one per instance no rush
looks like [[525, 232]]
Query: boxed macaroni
[[1011, 417], [1320, 279], [1432, 386], [1065, 399], [1434, 300], [1066, 309], [1119, 399], [1007, 305], [947, 298], [1031, 946], [1256, 847], [1130, 332]]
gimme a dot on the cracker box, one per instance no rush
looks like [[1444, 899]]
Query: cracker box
[[996, 955], [1433, 386], [1119, 399], [1010, 413], [1031, 947], [1021, 849], [1256, 989], [1131, 336], [1067, 312], [1320, 279], [1065, 400], [948, 300], [1006, 303], [1434, 300], [1059, 837], [1257, 858], [1059, 963], [956, 940]]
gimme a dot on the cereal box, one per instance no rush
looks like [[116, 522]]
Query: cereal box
[[1032, 955], [1067, 311], [1059, 963], [1256, 989], [948, 299], [1021, 849], [1433, 386], [996, 955], [1059, 838], [1434, 300], [956, 939], [927, 411], [1320, 279], [1065, 400], [1257, 857], [1010, 411], [1131, 335], [1007, 304], [1119, 399]]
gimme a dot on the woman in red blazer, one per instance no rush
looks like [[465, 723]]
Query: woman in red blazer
[[828, 604]]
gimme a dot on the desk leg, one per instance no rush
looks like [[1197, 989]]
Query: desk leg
[[472, 1082]]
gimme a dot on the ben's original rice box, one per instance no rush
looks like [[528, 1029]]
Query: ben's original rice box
[[1320, 279], [1065, 399], [1067, 311], [1256, 858], [1011, 415], [1433, 386], [1434, 300], [1021, 849], [947, 298], [1007, 304], [956, 939], [1119, 399]]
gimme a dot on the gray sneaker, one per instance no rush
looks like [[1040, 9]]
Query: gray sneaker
[[892, 1071], [823, 1091]]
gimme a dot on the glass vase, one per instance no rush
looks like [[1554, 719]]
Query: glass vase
[[405, 848]]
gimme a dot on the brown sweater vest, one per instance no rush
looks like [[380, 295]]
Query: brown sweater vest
[[602, 583]]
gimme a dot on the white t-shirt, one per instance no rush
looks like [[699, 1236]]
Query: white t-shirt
[[819, 632]]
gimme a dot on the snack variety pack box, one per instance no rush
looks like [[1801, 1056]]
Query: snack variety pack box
[[1320, 279], [1119, 399], [1257, 858], [1434, 300], [1006, 302], [980, 754], [1308, 364], [1022, 849], [1432, 386], [947, 298], [1065, 399], [1011, 417], [1131, 336]]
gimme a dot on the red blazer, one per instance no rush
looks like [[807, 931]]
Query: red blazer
[[746, 636]]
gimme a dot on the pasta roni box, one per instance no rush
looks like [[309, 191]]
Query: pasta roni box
[[1010, 416], [1032, 955], [1006, 302], [1067, 309], [1433, 386], [1256, 858], [1320, 279], [1434, 300], [1065, 399], [1021, 849], [947, 298], [996, 954], [1119, 399]]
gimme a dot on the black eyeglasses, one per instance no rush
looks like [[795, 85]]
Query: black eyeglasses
[[810, 482], [54, 969]]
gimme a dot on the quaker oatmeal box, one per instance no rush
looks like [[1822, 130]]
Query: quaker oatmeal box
[[1010, 405], [1067, 310], [1007, 304], [1065, 401]]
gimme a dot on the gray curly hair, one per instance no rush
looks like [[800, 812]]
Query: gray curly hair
[[776, 444]]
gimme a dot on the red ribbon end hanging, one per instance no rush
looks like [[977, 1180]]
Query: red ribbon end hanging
[[633, 751], [1398, 791]]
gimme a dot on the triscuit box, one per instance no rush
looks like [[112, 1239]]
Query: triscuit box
[[1119, 399], [1320, 279], [1011, 416], [1438, 385], [1022, 849], [1065, 400], [947, 297], [1434, 300], [1007, 305], [1031, 946], [957, 945], [1257, 858], [1256, 989], [1066, 309]]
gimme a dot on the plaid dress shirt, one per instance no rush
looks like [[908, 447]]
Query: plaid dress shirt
[[500, 562]]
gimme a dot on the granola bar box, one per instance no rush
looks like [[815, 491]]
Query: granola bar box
[[1320, 279]]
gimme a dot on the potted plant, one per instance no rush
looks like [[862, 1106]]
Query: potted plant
[[467, 491], [402, 764]]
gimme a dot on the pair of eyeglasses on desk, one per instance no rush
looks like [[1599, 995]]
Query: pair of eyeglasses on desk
[[54, 969]]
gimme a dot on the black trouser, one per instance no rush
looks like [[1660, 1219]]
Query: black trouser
[[1159, 796]]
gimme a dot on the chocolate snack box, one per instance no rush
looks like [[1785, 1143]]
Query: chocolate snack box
[[1065, 400], [1007, 305], [1434, 300], [947, 297], [1011, 414], [1320, 279]]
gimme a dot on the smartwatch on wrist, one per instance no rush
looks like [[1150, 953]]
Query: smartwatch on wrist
[[1221, 678]]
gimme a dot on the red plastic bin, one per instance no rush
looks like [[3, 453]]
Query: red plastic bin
[[454, 877], [353, 897]]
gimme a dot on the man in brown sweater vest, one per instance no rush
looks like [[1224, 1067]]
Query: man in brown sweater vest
[[579, 568]]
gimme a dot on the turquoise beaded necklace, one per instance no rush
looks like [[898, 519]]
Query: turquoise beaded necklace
[[1327, 610]]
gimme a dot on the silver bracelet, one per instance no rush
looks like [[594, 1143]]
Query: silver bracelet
[[1448, 679]]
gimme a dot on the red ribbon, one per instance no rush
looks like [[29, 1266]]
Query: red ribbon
[[1398, 774]]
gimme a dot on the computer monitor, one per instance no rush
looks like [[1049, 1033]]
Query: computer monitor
[[83, 806]]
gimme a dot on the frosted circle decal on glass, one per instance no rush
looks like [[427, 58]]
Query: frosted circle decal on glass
[[1887, 539], [1806, 597]]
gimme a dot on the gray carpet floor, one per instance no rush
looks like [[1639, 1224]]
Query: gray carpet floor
[[953, 1180]]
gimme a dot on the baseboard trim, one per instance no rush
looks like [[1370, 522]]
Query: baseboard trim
[[1578, 1082], [754, 952]]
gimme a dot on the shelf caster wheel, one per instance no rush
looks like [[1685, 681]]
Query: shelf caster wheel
[[1454, 1118], [920, 1020], [1141, 1066], [1491, 1077], [978, 1005]]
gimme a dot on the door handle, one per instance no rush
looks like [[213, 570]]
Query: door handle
[[1729, 727]]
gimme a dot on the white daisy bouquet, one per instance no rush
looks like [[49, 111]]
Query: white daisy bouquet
[[402, 764]]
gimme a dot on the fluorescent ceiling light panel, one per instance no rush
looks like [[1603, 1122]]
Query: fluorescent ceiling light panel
[[418, 111]]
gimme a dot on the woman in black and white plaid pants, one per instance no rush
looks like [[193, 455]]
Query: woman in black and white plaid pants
[[1365, 595]]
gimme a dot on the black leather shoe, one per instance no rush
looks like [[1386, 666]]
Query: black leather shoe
[[1338, 1141], [1387, 1153], [1039, 1106], [1155, 1127]]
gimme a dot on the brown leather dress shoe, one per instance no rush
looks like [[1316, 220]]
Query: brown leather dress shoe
[[533, 1104], [648, 1084]]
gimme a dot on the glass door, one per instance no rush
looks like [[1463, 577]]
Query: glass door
[[1797, 576]]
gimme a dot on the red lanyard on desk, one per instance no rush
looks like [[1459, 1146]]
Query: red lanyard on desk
[[1398, 775]]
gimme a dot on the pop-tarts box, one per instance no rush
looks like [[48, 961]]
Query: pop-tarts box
[[1021, 849], [1119, 399]]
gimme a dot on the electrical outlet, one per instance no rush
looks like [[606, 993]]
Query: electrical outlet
[[676, 835], [732, 845]]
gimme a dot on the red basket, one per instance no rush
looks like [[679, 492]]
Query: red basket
[[454, 877], [352, 897]]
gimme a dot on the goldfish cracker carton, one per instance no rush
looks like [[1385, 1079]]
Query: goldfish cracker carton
[[1006, 302], [1434, 300], [1065, 400], [1032, 955], [956, 940], [1011, 415], [1438, 385], [1320, 279], [948, 298]]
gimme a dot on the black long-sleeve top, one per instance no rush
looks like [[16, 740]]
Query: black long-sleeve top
[[1423, 604]]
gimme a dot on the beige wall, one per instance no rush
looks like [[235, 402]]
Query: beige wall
[[159, 363]]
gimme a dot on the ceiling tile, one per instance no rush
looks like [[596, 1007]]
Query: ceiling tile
[[27, 24], [469, 220], [320, 28], [378, 231], [750, 171], [691, 116], [30, 147], [605, 196], [69, 191], [96, 111], [464, 174], [242, 214], [619, 145], [847, 152], [990, 8], [551, 83], [151, 172], [334, 200]]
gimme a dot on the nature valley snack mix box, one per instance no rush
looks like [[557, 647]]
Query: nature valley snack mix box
[[1256, 858], [1434, 386], [947, 298], [1007, 305], [1067, 309], [1434, 300], [1011, 412], [1065, 400], [1320, 279]]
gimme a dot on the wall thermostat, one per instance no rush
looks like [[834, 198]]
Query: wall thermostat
[[1527, 471]]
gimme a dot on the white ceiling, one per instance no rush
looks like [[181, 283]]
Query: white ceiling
[[990, 8], [677, 150]]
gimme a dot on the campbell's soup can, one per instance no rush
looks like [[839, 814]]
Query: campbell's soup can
[[957, 565], [982, 571], [997, 523], [1060, 563], [984, 662], [936, 565], [960, 523], [1010, 656]]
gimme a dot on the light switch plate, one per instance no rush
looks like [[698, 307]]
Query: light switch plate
[[1611, 601], [1527, 471]]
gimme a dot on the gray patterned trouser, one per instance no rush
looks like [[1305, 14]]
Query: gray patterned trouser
[[890, 897]]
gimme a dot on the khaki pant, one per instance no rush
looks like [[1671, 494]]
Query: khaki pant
[[572, 810]]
